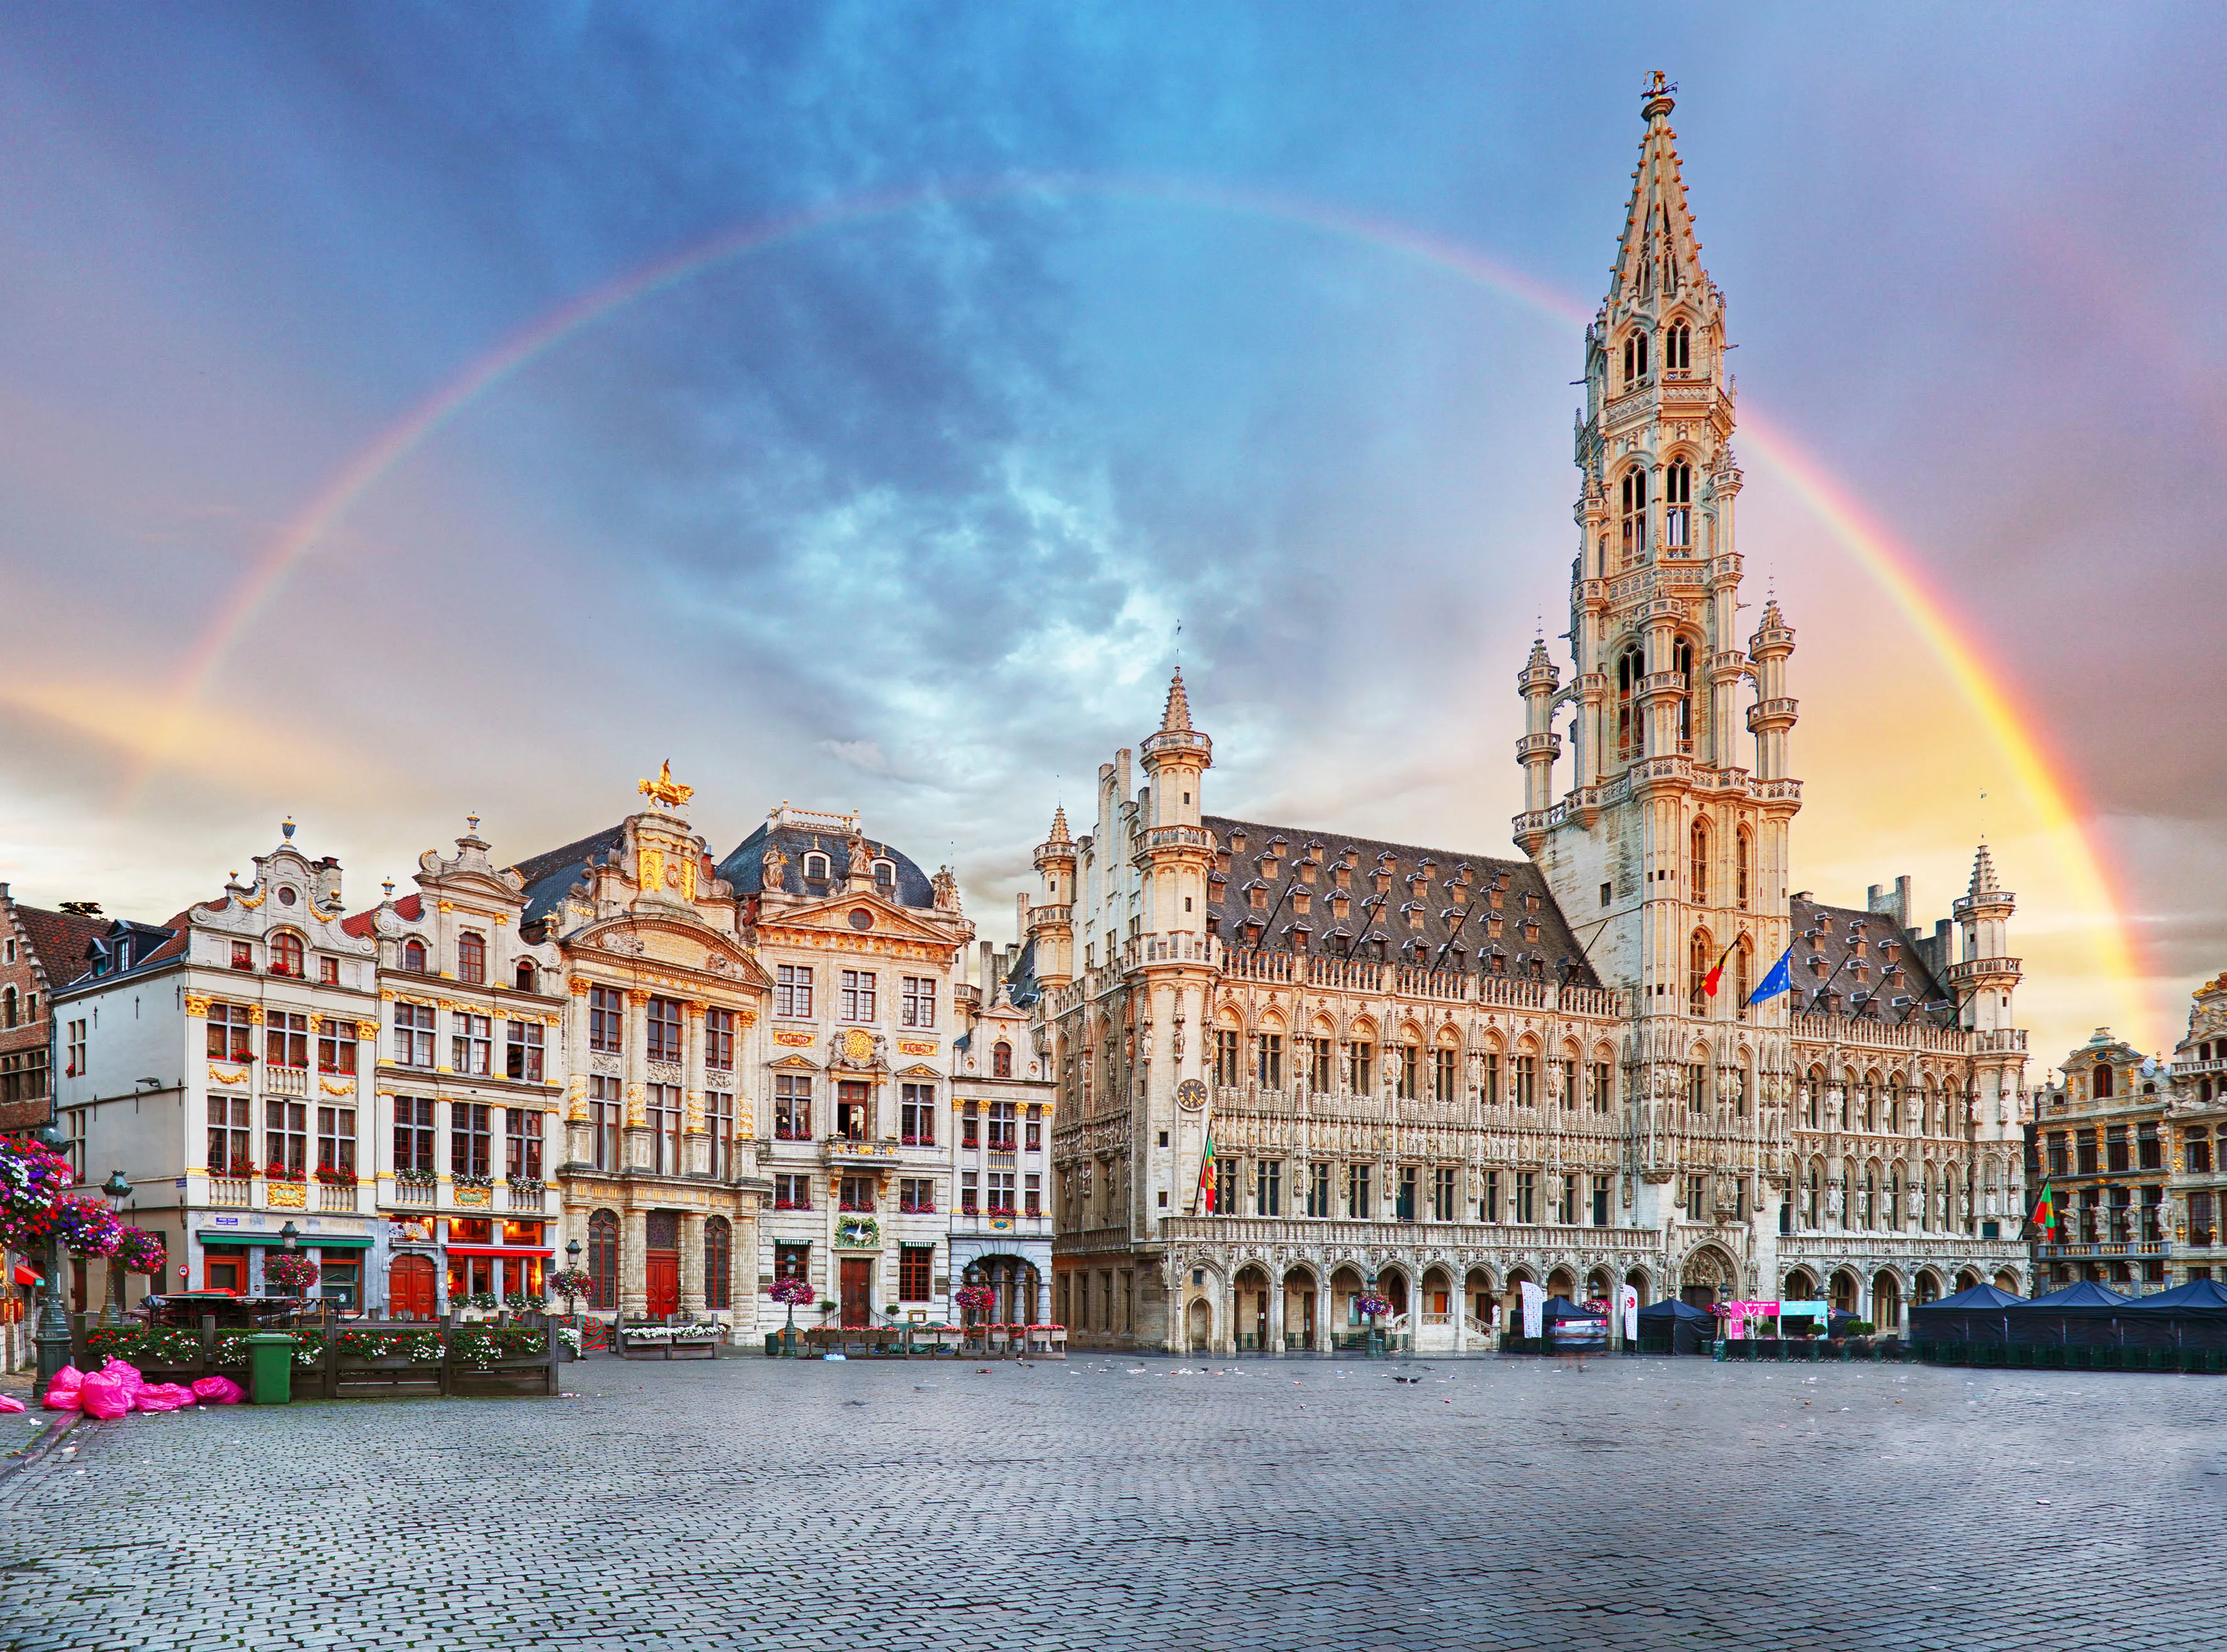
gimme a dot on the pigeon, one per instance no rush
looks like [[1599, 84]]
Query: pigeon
[[1400, 1379]]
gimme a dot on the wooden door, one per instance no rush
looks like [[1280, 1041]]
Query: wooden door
[[857, 1289], [410, 1288], [663, 1278]]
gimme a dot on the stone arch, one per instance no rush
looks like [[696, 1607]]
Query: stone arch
[[1512, 1297], [1967, 1277], [1562, 1282], [1707, 1276], [1600, 1285], [1642, 1281], [1362, 1030], [1251, 1312], [1925, 1288], [1323, 1027], [2007, 1278], [1438, 1290], [1396, 1285], [1801, 1285], [1886, 1301], [1845, 1289], [1478, 1294], [1302, 1295]]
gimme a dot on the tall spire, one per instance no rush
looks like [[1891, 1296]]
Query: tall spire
[[1983, 874], [1059, 833], [1177, 716], [1658, 255]]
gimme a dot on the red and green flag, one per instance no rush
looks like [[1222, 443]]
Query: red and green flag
[[1206, 1175], [2045, 1217]]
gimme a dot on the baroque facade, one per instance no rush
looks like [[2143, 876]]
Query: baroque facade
[[1434, 1075]]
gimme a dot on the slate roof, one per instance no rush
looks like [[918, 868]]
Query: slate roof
[[548, 876], [745, 867], [1445, 925], [1021, 980], [1829, 933], [152, 946]]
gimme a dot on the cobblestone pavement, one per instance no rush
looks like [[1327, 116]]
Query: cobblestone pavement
[[1123, 1503]]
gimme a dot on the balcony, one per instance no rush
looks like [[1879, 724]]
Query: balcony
[[336, 1195], [285, 1081], [842, 1150], [232, 1192], [414, 1193], [528, 1197]]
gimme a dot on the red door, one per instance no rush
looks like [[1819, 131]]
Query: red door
[[857, 1289], [410, 1287], [664, 1283]]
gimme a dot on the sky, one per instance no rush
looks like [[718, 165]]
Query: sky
[[929, 366]]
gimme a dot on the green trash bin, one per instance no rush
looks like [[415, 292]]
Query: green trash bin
[[270, 1368]]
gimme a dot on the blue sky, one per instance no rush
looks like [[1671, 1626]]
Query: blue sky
[[903, 513]]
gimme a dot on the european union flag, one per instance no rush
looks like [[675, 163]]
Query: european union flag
[[1779, 980]]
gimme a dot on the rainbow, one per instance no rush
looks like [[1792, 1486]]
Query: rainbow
[[1894, 566]]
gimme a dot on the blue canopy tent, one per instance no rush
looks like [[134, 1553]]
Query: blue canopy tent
[[1685, 1328], [1973, 1316], [1571, 1328], [2085, 1314], [2194, 1316]]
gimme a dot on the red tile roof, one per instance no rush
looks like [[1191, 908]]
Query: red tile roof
[[410, 906], [59, 940]]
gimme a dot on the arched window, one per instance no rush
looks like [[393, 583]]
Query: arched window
[[1001, 1060], [885, 876], [286, 955], [1677, 343], [1743, 976], [1739, 869], [1697, 874], [1634, 358], [471, 956], [603, 1259], [1635, 514], [523, 977], [8, 1008], [2102, 1080], [1697, 972], [1682, 661], [1815, 1196], [815, 868], [1678, 506], [718, 1263], [1629, 671], [413, 956]]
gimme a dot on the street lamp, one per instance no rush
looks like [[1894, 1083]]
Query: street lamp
[[53, 1338], [116, 1190], [571, 1271]]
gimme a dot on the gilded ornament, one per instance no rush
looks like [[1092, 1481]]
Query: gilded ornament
[[446, 906], [650, 868], [196, 1005], [255, 1014], [218, 1075], [579, 987], [637, 997], [345, 1087], [287, 1195], [857, 1044], [367, 1030], [665, 791]]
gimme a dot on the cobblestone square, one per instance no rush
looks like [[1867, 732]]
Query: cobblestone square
[[1125, 1503]]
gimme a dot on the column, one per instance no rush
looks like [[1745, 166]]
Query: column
[[571, 1059], [1279, 1307], [634, 1272], [691, 1263], [696, 1142], [636, 1152], [1322, 1310]]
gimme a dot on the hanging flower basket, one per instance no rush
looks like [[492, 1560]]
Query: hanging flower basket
[[291, 1271], [797, 1293], [1372, 1306], [141, 1252], [974, 1298], [572, 1282], [32, 1180], [87, 1227]]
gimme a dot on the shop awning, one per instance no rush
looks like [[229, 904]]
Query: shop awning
[[305, 1241], [25, 1276], [496, 1250]]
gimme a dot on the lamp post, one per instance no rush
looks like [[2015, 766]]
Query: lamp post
[[53, 1338], [116, 1190], [290, 1239], [571, 1271]]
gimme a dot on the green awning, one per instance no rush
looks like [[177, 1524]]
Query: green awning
[[263, 1236]]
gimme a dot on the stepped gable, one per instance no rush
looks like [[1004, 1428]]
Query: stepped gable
[[548, 876], [1443, 919], [745, 867], [1829, 933]]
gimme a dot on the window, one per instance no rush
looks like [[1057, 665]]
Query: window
[[1318, 1190], [1678, 506], [916, 1115], [1527, 1081], [885, 876], [603, 1259], [2085, 1146], [286, 955], [816, 868], [523, 977], [328, 971], [1357, 1192], [916, 1195], [1033, 1196], [286, 1138], [1739, 870], [1225, 1059], [792, 1106], [1634, 516], [1268, 1188], [413, 956], [1321, 1076], [719, 1040], [414, 1133], [854, 1113], [1629, 671], [661, 1031], [1602, 1093], [1697, 869], [1442, 1194], [792, 1192], [470, 1147], [2195, 1144], [1268, 1060], [719, 1122], [792, 992], [2115, 1149], [1444, 1069], [664, 1120], [718, 1263], [792, 1261], [336, 1140], [471, 1044], [522, 1132], [224, 1267], [1405, 1085], [970, 1126], [1225, 1185], [606, 1020], [1600, 1202], [1526, 1197], [1566, 1205], [1488, 1206], [606, 1112], [1404, 1202], [335, 1046], [970, 1199], [916, 1268], [229, 1036], [1001, 1127], [1634, 358], [522, 1051], [471, 958], [1034, 1139], [242, 955], [1361, 1068], [918, 1005], [286, 1039], [229, 1151], [2102, 1081], [1696, 1197], [858, 995], [1678, 347]]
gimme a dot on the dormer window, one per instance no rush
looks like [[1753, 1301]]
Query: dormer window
[[815, 868], [242, 955], [885, 876], [413, 956], [286, 955], [1237, 841], [1258, 896], [1301, 901], [522, 978], [471, 958]]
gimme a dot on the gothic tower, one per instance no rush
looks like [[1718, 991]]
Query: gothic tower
[[1668, 852]]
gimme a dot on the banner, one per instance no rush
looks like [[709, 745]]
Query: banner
[[1627, 1310], [1535, 1299]]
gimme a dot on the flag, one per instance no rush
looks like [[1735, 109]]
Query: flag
[[2045, 1211], [1778, 978], [1206, 1176], [1709, 981]]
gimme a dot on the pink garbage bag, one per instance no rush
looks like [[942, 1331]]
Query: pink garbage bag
[[126, 1375], [219, 1391], [8, 1402], [62, 1392], [161, 1396], [102, 1395]]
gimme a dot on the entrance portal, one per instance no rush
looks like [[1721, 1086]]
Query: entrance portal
[[857, 1289]]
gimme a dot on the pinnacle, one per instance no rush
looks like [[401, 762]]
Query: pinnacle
[[1177, 717], [1059, 824], [1984, 873]]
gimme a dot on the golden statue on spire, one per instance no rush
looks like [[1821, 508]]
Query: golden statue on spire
[[665, 791]]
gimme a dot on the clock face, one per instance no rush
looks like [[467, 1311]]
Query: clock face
[[1191, 1094]]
